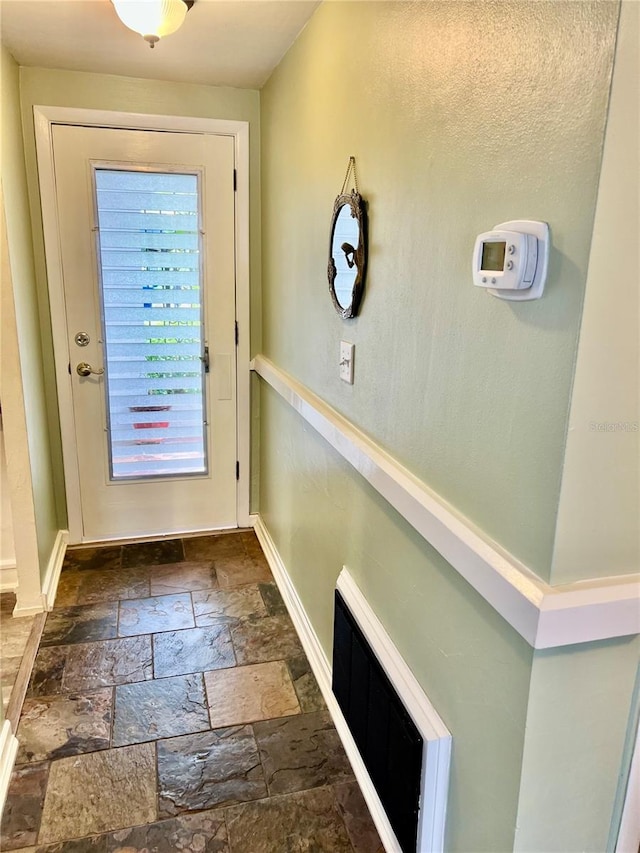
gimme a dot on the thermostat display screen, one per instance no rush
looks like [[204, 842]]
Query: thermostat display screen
[[493, 256]]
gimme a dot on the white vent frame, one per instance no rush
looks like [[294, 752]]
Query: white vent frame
[[436, 756]]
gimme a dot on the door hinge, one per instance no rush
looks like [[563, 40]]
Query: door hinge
[[235, 180], [69, 367], [237, 334], [204, 358], [237, 470]]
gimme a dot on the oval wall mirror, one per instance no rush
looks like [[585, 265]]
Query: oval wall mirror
[[347, 253]]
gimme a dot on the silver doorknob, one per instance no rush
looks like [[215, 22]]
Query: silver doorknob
[[84, 369]]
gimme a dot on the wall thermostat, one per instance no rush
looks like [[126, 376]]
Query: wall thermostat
[[511, 261]]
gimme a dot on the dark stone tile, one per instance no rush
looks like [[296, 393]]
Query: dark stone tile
[[160, 709], [58, 726], [214, 547], [183, 577], [107, 663], [80, 624], [357, 819], [68, 589], [305, 685], [301, 752], [92, 558], [267, 638], [23, 807], [211, 769], [48, 671], [302, 822], [193, 650], [251, 544], [205, 832], [7, 603], [154, 615], [272, 599], [152, 553], [114, 585], [99, 792]]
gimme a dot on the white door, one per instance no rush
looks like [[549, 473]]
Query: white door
[[146, 223]]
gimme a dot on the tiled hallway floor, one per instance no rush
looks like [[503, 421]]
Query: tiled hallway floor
[[171, 708]]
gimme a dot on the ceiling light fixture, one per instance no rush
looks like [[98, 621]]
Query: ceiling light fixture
[[153, 19]]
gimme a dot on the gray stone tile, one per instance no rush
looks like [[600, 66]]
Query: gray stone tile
[[158, 709], [192, 650], [272, 599], [15, 633], [220, 607], [113, 585], [240, 570], [302, 822], [357, 819], [301, 752], [110, 662], [80, 624], [306, 686], [58, 726], [262, 639], [22, 812], [183, 577], [245, 694], [213, 547], [153, 615], [47, 672], [152, 553], [81, 559], [210, 769], [99, 792]]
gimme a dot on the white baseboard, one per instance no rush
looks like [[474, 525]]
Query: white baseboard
[[8, 751], [322, 671], [8, 576], [54, 567]]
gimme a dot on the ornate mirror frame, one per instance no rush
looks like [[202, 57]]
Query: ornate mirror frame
[[358, 253]]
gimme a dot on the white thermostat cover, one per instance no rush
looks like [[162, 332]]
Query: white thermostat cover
[[541, 231]]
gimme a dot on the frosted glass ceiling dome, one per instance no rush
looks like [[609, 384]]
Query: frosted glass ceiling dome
[[153, 19]]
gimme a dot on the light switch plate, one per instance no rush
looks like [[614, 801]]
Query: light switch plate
[[346, 361]]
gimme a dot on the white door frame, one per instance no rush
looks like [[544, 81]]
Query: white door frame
[[44, 118]]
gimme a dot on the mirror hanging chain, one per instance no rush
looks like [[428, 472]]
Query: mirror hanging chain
[[351, 170]]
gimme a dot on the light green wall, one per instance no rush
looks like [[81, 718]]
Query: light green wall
[[460, 115], [21, 258], [126, 94], [579, 717], [473, 666], [598, 530]]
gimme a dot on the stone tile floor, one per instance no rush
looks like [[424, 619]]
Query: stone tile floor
[[171, 708], [14, 633]]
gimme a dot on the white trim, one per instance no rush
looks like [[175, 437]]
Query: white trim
[[322, 671], [629, 834], [8, 575], [8, 751], [44, 118], [54, 567], [436, 757], [545, 616]]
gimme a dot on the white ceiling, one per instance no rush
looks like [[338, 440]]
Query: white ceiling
[[221, 43]]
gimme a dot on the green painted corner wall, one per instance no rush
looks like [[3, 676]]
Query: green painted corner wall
[[27, 313], [460, 115], [40, 86], [472, 665]]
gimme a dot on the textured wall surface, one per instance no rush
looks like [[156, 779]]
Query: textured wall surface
[[460, 115], [40, 478]]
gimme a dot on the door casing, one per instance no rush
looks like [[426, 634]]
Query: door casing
[[45, 117]]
